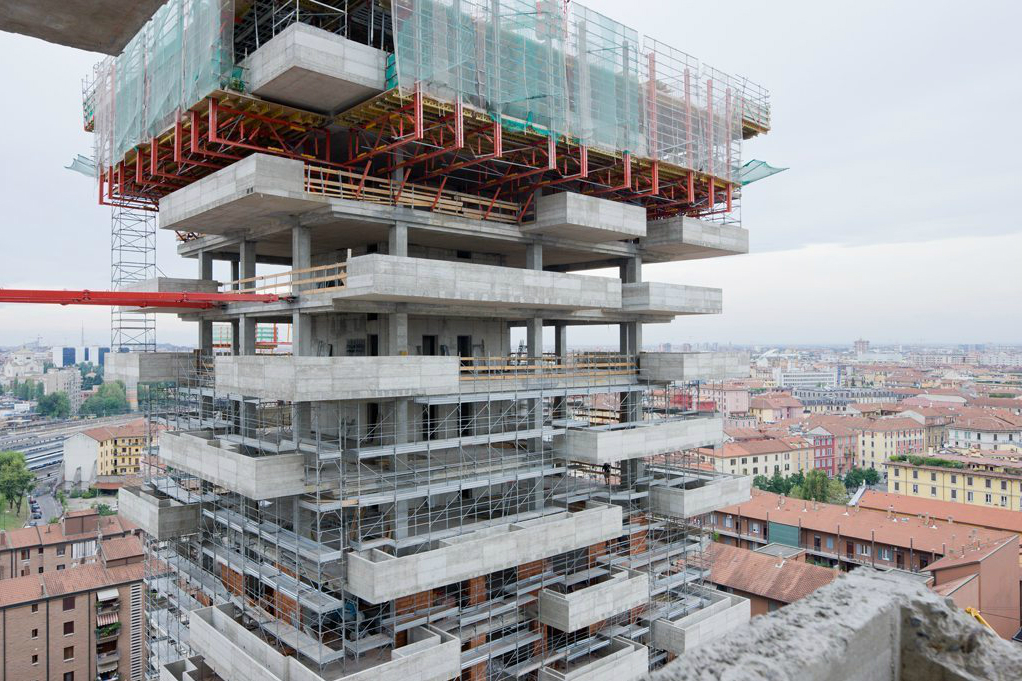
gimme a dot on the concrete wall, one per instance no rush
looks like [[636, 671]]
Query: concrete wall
[[79, 463], [684, 238], [262, 477], [147, 367], [693, 366], [395, 278], [624, 660], [608, 444], [305, 379], [586, 218], [314, 69], [170, 285], [257, 189], [623, 590], [712, 494], [725, 613], [377, 577], [864, 626], [659, 298], [162, 519]]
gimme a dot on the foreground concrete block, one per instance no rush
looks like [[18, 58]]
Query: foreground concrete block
[[721, 614], [377, 577], [684, 238], [224, 463], [94, 26], [864, 626], [701, 495], [622, 590], [586, 218], [313, 69], [419, 280], [693, 366], [616, 442], [659, 298], [148, 367], [305, 379], [622, 660], [160, 518]]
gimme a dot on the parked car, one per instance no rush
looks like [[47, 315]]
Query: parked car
[[37, 516]]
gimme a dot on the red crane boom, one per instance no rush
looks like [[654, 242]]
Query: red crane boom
[[178, 299]]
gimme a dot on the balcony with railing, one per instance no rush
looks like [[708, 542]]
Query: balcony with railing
[[517, 371]]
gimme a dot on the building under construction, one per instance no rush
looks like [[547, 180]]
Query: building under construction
[[366, 475]]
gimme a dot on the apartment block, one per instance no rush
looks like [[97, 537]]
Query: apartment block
[[883, 438], [85, 622], [429, 201], [989, 481], [107, 452], [67, 381]]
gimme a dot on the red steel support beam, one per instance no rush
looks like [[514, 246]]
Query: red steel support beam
[[200, 301]]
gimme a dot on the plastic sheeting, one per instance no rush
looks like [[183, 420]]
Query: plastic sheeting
[[181, 55]]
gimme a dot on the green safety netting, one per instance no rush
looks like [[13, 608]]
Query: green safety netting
[[756, 170]]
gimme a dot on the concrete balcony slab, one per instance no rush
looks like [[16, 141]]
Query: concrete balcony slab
[[308, 379], [148, 367], [419, 280], [684, 238], [699, 495], [675, 299], [378, 577], [622, 660], [225, 464], [722, 613], [591, 219], [612, 443], [251, 192], [313, 69], [666, 367], [160, 518], [94, 26], [620, 591]]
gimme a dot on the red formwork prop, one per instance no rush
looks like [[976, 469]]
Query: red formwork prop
[[176, 299]]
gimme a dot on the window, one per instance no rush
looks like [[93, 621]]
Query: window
[[863, 549], [968, 480], [933, 477], [988, 498], [884, 553], [830, 543], [35, 633], [61, 550], [69, 603], [35, 659], [1004, 500], [897, 486], [897, 472], [60, 567], [968, 496], [954, 494], [987, 482], [40, 570], [69, 628], [69, 653], [755, 528], [35, 608], [727, 521], [915, 475], [933, 491], [915, 489], [954, 479], [1004, 485], [26, 554]]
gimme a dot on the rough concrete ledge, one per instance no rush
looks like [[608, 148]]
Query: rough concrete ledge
[[586, 218], [684, 238], [865, 626], [693, 366]]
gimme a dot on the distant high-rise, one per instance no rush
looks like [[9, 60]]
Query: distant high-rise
[[861, 346]]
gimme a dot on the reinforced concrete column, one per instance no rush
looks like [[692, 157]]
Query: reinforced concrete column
[[397, 239], [534, 342], [560, 410], [301, 325], [205, 265], [631, 344], [397, 344]]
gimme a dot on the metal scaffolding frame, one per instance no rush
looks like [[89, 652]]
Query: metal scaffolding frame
[[132, 261]]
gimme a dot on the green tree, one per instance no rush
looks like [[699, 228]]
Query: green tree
[[104, 509], [109, 399], [854, 478], [761, 482], [55, 405], [39, 391], [836, 492], [816, 486], [15, 479], [871, 476]]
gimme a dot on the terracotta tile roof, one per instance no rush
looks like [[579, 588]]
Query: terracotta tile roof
[[891, 424], [134, 428], [764, 575], [21, 538], [948, 588], [974, 554], [861, 523], [20, 589], [81, 513], [768, 446], [121, 547], [966, 514], [90, 577], [774, 402]]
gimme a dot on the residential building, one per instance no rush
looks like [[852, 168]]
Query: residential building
[[58, 546], [886, 437], [966, 515], [107, 453], [843, 536], [67, 381], [730, 398], [66, 356], [765, 456], [85, 622], [990, 481], [768, 581], [835, 442], [991, 429], [844, 395], [773, 407], [935, 421], [807, 378], [861, 347]]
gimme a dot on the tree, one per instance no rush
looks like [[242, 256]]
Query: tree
[[15, 479], [816, 486], [836, 493], [109, 399], [39, 391], [761, 482], [854, 478], [55, 405], [871, 476]]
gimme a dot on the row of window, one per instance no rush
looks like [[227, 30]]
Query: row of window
[[27, 553], [987, 482], [969, 496]]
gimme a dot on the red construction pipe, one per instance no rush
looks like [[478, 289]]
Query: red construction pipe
[[201, 301]]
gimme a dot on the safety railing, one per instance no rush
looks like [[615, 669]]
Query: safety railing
[[346, 184], [517, 367], [292, 282]]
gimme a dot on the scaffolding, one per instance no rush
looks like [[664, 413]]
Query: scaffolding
[[132, 262]]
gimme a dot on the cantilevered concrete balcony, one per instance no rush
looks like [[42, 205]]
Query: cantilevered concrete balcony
[[694, 494], [616, 442], [619, 591], [226, 464], [684, 238], [377, 577], [620, 660], [305, 379], [674, 299], [666, 367], [148, 367], [235, 653], [96, 26], [586, 218], [313, 69], [160, 517], [720, 613], [419, 280]]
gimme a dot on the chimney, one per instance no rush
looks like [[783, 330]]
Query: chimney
[[950, 520], [890, 511]]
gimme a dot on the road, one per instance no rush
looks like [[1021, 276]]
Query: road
[[49, 507]]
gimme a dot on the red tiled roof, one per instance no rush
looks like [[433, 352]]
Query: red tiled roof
[[121, 547], [89, 577], [966, 514], [974, 554], [134, 428], [894, 423], [765, 575]]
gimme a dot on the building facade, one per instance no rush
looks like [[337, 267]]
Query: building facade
[[978, 480], [107, 452], [67, 381], [883, 438]]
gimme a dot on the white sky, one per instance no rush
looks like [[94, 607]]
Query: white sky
[[896, 221]]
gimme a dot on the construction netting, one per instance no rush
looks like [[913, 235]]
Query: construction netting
[[182, 54], [579, 75]]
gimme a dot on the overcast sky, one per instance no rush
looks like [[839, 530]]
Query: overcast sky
[[896, 221]]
